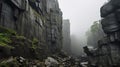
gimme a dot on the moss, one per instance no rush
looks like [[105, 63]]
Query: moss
[[20, 37], [35, 41], [7, 31], [30, 41], [5, 38], [2, 44], [34, 47]]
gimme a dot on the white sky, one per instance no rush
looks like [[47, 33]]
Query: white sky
[[81, 13]]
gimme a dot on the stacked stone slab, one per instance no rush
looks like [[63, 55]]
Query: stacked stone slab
[[40, 19]]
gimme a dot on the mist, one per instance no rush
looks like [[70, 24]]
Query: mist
[[82, 14]]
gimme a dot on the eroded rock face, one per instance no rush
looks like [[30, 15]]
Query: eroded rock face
[[110, 23], [34, 19], [54, 26], [110, 48], [24, 19], [107, 9]]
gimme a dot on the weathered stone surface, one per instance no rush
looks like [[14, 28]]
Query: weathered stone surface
[[108, 48], [110, 23], [116, 3], [107, 9], [117, 13], [54, 26], [108, 54], [31, 19]]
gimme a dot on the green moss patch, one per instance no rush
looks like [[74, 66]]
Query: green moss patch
[[5, 40], [20, 37], [12, 44], [34, 43], [7, 31], [5, 35], [6, 45]]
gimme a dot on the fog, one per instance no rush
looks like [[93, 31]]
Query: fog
[[81, 13]]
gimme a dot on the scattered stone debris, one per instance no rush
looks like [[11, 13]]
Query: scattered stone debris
[[51, 62], [48, 62]]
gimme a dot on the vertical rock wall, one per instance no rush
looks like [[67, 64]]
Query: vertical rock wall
[[107, 52], [111, 26], [66, 36], [40, 19], [24, 17], [54, 26]]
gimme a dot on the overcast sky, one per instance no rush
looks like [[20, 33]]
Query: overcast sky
[[81, 13]]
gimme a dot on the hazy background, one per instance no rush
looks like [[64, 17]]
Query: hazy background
[[81, 13]]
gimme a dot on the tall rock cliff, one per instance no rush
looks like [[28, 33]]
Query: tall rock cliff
[[36, 20], [54, 26]]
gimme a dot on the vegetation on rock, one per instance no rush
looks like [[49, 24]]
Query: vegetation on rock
[[18, 45], [5, 35]]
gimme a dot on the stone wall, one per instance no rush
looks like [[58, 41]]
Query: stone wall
[[40, 19]]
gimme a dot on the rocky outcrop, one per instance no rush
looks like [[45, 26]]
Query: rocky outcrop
[[108, 50], [39, 20], [109, 46]]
